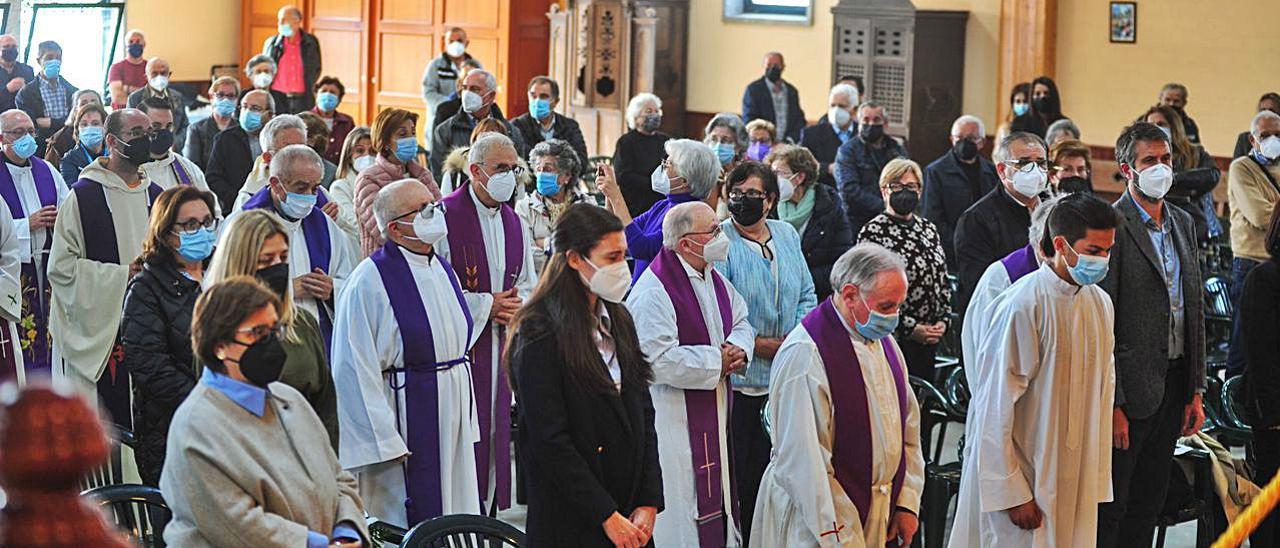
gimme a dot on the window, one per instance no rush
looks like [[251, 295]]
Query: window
[[89, 34], [769, 11]]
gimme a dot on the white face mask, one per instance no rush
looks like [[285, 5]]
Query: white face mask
[[1029, 185], [659, 181], [785, 189], [429, 229], [501, 186], [471, 101], [455, 48], [716, 250], [159, 82], [610, 282], [1270, 147], [362, 163], [839, 117], [1155, 180], [262, 79]]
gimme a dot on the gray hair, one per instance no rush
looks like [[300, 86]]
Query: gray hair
[[1062, 126], [271, 101], [637, 103], [733, 123], [697, 163], [490, 81], [257, 60], [873, 104], [387, 204], [968, 119], [267, 137], [288, 160], [846, 90], [678, 222], [1254, 126], [486, 143], [567, 161], [861, 264], [1002, 152]]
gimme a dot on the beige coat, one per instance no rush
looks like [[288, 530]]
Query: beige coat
[[1252, 198]]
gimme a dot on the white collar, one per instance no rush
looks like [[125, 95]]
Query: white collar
[[480, 207], [692, 272], [417, 260]]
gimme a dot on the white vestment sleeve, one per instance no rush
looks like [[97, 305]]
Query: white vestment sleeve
[[913, 479], [1012, 350], [10, 271], [22, 232], [692, 367], [342, 258]]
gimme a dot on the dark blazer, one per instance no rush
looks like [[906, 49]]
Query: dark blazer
[[31, 102], [1137, 288], [757, 103], [822, 141], [445, 111], [274, 47], [1243, 146], [635, 156], [563, 128], [229, 165], [825, 238], [947, 194], [584, 455], [993, 227], [858, 170], [1260, 310], [20, 70], [456, 132]]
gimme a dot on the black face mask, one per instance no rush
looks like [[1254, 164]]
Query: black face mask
[[965, 150], [262, 361], [1072, 185], [275, 277], [773, 74], [162, 141], [904, 201], [9, 55], [137, 151], [870, 133], [1041, 104], [746, 211]]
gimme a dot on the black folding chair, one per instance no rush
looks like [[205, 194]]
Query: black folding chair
[[386, 534], [138, 510], [462, 530], [942, 481], [112, 471]]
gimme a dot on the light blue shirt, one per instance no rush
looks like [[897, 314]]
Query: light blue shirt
[[1162, 240]]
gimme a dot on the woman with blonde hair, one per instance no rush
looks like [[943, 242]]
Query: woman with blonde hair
[[255, 243], [356, 156], [395, 145]]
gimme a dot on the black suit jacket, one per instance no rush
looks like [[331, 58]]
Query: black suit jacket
[[858, 168], [274, 47], [583, 454], [1136, 283], [229, 165], [31, 102], [822, 141], [757, 102], [825, 238], [993, 227], [563, 128], [947, 194]]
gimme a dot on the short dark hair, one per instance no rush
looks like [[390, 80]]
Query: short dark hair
[[330, 81], [539, 80], [219, 312], [1073, 215], [1127, 143], [1270, 96], [748, 169], [857, 82], [150, 103], [164, 213], [46, 47]]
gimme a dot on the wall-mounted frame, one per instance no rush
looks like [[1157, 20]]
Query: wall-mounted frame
[[1124, 22]]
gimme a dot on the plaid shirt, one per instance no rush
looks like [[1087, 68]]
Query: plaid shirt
[[55, 99]]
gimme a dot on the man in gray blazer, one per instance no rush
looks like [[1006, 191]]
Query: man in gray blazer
[[1154, 282]]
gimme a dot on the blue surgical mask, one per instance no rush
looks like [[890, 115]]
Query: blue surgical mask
[[286, 30], [406, 149], [196, 246], [224, 107], [327, 101], [297, 206], [878, 325], [1088, 270], [540, 108], [52, 68], [724, 152], [91, 136], [251, 121], [25, 147], [548, 183], [1020, 109]]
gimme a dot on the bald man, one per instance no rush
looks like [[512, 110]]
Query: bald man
[[13, 73], [297, 56], [129, 74], [158, 73]]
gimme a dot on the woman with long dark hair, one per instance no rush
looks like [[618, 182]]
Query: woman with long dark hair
[[589, 451], [1046, 108]]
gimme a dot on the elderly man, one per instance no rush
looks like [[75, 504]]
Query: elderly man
[[13, 73], [440, 78], [1252, 193], [491, 248], [693, 330], [280, 132], [225, 92], [1174, 95], [834, 129], [1154, 282], [956, 180], [32, 190], [297, 56], [847, 467], [235, 149], [1269, 101], [98, 232], [407, 417], [49, 98], [996, 225], [320, 251], [773, 99], [543, 123], [859, 162], [129, 74], [479, 90], [158, 73]]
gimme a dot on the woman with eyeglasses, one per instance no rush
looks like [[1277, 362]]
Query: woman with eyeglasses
[[248, 462], [156, 326], [256, 243], [926, 312]]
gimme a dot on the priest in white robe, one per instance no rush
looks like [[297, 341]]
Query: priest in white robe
[[693, 329], [406, 415], [11, 363], [846, 468], [1041, 459], [490, 249]]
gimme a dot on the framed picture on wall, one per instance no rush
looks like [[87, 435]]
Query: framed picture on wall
[[1124, 22]]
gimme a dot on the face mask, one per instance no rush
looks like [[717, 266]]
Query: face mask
[[658, 180], [773, 74], [429, 229], [540, 108], [1029, 185], [1072, 185], [757, 151], [878, 325], [1155, 181], [406, 149], [286, 30], [262, 79], [1020, 108], [161, 142], [455, 49], [52, 68], [1088, 270], [11, 54], [652, 122], [224, 107], [362, 163], [327, 101], [159, 82], [262, 361], [839, 117], [1270, 147], [904, 201], [724, 152], [746, 211], [135, 50], [25, 147], [91, 136], [1041, 103], [716, 250], [548, 183], [297, 206], [196, 246], [501, 186], [471, 101], [872, 134], [251, 121], [137, 151], [611, 282], [785, 189], [965, 150], [275, 277]]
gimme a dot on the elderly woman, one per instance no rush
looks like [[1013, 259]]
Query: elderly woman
[[762, 135], [638, 154], [87, 128], [1062, 130], [396, 146], [256, 243], [814, 210], [689, 174], [926, 312], [555, 167], [727, 137], [156, 326], [357, 155], [261, 70], [767, 267], [248, 463], [1072, 167]]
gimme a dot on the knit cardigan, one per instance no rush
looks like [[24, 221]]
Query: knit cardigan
[[382, 173]]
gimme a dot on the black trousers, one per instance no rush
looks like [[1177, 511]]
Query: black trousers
[[920, 359], [299, 103], [1140, 474], [751, 447], [1266, 452]]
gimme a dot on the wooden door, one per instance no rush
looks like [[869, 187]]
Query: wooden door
[[486, 24], [344, 46], [404, 37], [257, 23]]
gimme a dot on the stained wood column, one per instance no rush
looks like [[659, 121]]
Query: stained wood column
[[1028, 38]]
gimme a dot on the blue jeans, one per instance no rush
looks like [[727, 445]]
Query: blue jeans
[[1235, 354]]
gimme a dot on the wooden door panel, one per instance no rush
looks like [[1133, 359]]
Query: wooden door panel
[[413, 11], [401, 64], [473, 13], [349, 10], [342, 60], [257, 35]]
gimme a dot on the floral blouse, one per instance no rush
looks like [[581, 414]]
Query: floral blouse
[[917, 241]]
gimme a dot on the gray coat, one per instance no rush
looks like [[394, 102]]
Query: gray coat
[[1136, 285]]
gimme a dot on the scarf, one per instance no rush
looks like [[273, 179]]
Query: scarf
[[798, 214]]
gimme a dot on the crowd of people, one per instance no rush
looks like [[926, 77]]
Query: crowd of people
[[703, 342]]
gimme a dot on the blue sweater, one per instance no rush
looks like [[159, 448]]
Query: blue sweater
[[644, 234]]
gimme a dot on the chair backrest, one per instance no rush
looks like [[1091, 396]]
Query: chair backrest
[[137, 510], [1233, 404], [1217, 295], [956, 389], [386, 534], [934, 414], [462, 530], [112, 471]]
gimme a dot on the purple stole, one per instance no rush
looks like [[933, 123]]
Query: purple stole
[[1020, 263], [316, 228], [422, 411], [467, 253], [184, 178], [33, 340], [850, 451], [701, 408], [100, 244]]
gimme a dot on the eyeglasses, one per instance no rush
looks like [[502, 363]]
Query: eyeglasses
[[15, 134], [254, 108], [753, 194], [715, 231], [259, 332], [895, 187], [135, 133], [230, 96], [191, 226], [503, 168], [1025, 165], [427, 211]]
